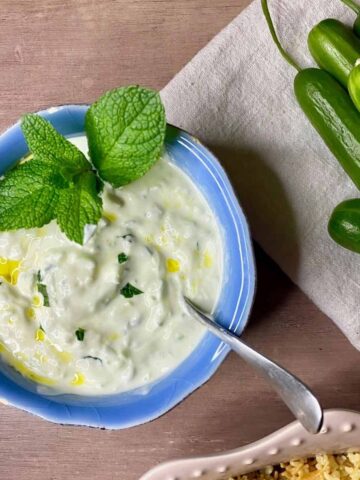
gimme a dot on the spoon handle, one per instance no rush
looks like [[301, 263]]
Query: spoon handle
[[297, 396]]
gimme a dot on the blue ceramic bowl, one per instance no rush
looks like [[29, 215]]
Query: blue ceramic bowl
[[147, 403]]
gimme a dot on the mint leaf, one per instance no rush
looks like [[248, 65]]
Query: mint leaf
[[28, 195], [122, 257], [129, 291], [126, 131], [48, 145], [78, 206]]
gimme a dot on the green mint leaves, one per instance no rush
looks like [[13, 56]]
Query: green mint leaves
[[78, 206], [28, 195], [49, 146], [125, 129], [58, 183], [126, 132]]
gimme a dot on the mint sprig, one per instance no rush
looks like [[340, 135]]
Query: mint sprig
[[67, 175], [125, 130]]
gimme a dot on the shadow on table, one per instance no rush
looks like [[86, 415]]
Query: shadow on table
[[273, 289], [256, 186]]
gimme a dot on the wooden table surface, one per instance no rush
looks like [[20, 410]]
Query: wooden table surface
[[64, 51]]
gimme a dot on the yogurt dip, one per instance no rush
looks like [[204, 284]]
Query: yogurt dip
[[67, 317]]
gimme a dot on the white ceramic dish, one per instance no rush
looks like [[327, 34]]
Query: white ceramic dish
[[340, 433]]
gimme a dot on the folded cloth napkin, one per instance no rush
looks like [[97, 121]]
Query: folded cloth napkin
[[237, 96]]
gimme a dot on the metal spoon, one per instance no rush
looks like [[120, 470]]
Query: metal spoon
[[297, 396]]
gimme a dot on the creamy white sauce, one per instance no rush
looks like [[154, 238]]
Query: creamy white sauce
[[167, 230]]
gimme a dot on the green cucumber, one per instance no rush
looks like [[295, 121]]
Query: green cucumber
[[335, 48], [344, 225], [332, 113]]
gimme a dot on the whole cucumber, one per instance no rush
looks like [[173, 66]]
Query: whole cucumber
[[330, 110], [344, 225], [335, 48]]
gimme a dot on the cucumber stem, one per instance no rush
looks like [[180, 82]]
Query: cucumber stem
[[281, 49], [351, 4]]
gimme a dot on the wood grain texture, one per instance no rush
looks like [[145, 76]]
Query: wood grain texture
[[63, 51]]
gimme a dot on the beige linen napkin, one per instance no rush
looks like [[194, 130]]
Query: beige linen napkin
[[237, 96]]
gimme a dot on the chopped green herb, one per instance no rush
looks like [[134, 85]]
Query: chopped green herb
[[43, 290], [122, 257], [41, 328], [80, 334], [38, 276], [130, 291]]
